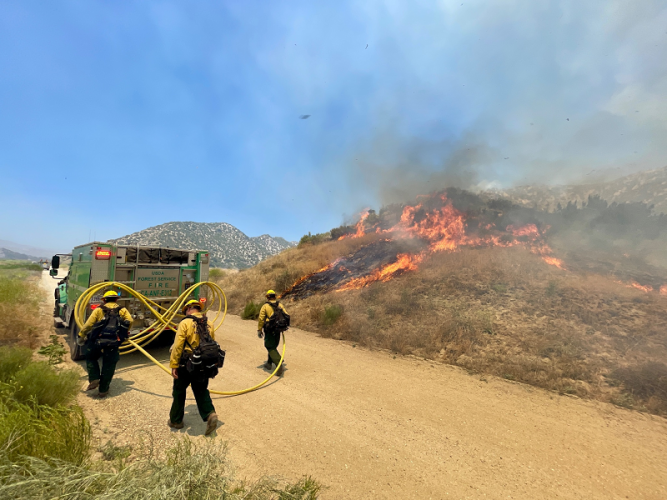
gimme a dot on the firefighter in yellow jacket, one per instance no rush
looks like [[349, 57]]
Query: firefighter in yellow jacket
[[271, 335], [109, 326], [186, 340]]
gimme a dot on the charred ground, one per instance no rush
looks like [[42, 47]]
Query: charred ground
[[492, 303]]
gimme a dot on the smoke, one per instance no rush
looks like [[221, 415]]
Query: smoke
[[396, 171], [503, 95]]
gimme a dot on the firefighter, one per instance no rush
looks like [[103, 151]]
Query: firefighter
[[271, 335], [186, 340], [104, 342]]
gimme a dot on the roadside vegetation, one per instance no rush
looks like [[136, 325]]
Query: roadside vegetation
[[19, 303], [46, 447], [498, 311]]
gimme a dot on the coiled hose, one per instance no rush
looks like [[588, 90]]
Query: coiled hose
[[164, 318]]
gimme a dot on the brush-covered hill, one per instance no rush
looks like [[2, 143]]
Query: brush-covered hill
[[6, 254], [489, 286], [649, 187], [229, 247]]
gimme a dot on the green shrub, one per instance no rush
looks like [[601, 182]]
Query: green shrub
[[216, 274], [331, 314], [341, 231], [40, 431], [314, 239], [251, 310], [285, 280], [54, 351], [188, 472], [40, 383], [13, 359]]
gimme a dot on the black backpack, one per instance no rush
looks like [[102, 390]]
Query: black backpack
[[279, 321], [207, 357], [111, 331]]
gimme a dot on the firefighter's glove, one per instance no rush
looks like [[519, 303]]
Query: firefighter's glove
[[80, 340], [260, 334]]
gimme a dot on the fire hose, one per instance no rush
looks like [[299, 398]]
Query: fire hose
[[164, 317]]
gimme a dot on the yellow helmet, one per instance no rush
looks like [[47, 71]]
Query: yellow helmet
[[110, 295], [189, 304], [270, 292]]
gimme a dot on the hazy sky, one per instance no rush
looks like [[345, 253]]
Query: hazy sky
[[116, 116]]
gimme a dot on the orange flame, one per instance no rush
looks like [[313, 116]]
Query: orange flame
[[444, 230], [360, 229], [663, 290], [643, 288], [404, 262]]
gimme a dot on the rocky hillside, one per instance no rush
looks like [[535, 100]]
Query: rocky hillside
[[228, 246], [649, 187]]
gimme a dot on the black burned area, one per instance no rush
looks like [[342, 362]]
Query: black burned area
[[355, 265]]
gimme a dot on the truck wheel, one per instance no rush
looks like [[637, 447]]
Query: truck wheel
[[74, 349]]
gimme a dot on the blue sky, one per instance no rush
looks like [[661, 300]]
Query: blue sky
[[117, 116]]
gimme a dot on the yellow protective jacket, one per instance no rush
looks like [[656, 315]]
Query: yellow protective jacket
[[266, 312], [98, 315], [187, 330]]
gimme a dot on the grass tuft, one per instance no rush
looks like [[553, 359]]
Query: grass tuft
[[251, 310], [13, 359], [40, 383], [332, 313], [188, 472], [54, 351]]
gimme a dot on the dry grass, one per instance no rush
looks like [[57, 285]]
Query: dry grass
[[494, 311], [281, 271], [20, 320]]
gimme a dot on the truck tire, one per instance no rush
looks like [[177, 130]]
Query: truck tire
[[74, 349]]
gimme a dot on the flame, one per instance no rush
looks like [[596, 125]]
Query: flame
[[445, 230], [360, 229], [304, 278], [643, 288], [404, 262], [553, 261], [529, 230]]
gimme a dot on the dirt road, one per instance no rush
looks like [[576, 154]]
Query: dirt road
[[371, 425]]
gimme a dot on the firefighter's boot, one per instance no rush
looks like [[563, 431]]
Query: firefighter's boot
[[93, 385], [211, 424]]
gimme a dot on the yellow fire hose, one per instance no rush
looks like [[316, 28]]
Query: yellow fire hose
[[163, 320]]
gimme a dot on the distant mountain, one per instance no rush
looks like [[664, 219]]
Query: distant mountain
[[6, 254], [228, 246], [28, 250], [649, 187]]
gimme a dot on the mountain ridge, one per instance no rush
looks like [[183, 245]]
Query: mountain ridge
[[6, 254], [228, 246], [649, 186]]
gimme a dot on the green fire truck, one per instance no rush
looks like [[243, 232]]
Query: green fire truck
[[160, 274]]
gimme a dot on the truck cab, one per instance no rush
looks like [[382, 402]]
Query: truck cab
[[160, 274]]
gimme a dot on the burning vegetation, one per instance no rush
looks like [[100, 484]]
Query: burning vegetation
[[433, 225], [572, 301]]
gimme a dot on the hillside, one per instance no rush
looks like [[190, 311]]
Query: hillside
[[34, 252], [6, 254], [490, 287], [648, 187], [228, 246]]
